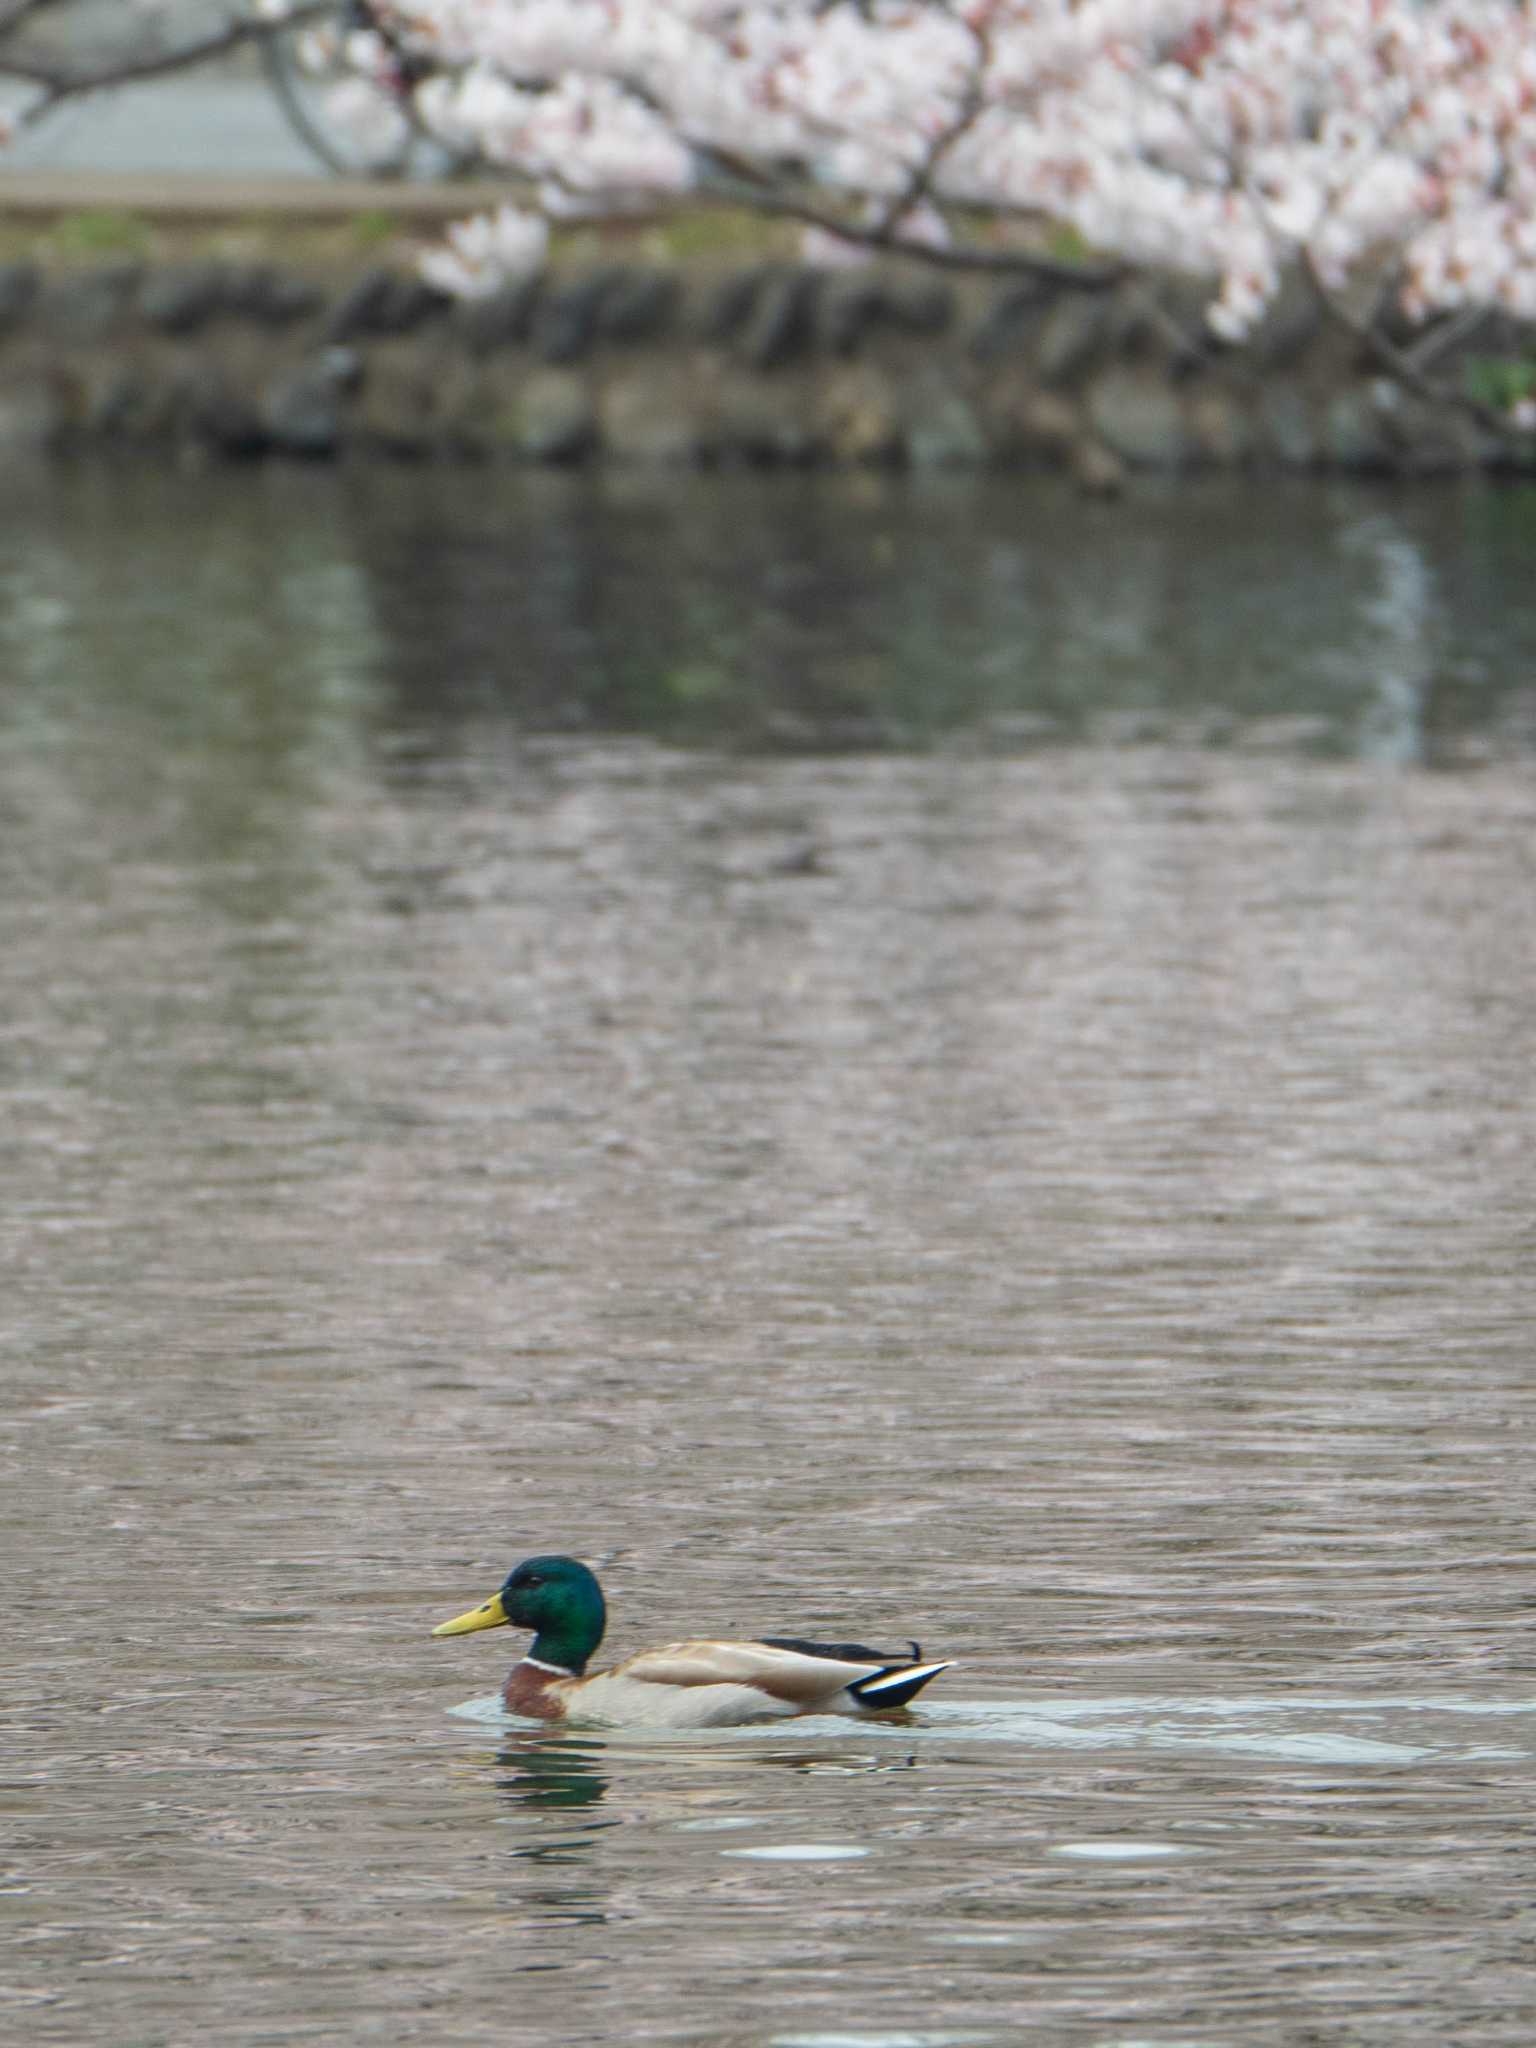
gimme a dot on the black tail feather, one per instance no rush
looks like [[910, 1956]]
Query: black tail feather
[[844, 1653], [894, 1686]]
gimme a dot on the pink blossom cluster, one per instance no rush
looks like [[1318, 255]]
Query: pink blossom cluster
[[1227, 138]]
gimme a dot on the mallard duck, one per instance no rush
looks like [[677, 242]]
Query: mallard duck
[[682, 1685]]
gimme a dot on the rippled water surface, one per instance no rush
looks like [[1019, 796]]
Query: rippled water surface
[[887, 1059]]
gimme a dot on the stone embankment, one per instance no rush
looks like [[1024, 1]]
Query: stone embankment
[[763, 363]]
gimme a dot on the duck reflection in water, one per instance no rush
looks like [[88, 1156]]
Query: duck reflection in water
[[542, 1781], [546, 1778], [559, 1773], [545, 1774]]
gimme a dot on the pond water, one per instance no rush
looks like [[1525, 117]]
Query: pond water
[[878, 1059]]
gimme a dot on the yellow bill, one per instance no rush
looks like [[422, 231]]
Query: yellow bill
[[491, 1615]]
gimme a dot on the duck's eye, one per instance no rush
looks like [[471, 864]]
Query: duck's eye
[[533, 1579]]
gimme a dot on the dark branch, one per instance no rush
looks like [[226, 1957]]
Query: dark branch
[[1401, 366], [724, 179], [20, 11], [730, 188], [279, 77], [58, 83], [919, 185]]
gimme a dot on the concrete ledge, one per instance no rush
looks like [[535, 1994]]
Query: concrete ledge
[[44, 195]]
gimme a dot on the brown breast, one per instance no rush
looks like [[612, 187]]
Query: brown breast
[[528, 1690]]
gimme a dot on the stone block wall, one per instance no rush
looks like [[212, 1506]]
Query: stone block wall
[[759, 364]]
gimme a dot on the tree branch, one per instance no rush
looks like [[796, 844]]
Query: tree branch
[[919, 185], [56, 84], [725, 184], [1400, 365], [20, 11]]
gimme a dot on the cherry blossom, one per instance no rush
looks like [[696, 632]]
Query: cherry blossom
[[1370, 144], [488, 251], [1231, 139]]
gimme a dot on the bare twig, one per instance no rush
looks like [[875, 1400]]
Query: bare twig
[[1400, 365], [20, 11], [56, 84], [918, 186], [724, 184], [1460, 327], [280, 78]]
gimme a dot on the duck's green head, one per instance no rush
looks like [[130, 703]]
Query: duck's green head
[[557, 1597]]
